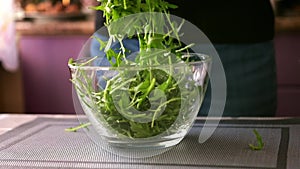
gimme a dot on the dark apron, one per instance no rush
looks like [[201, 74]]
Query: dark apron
[[251, 80]]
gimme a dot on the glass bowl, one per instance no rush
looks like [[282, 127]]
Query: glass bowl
[[149, 106]]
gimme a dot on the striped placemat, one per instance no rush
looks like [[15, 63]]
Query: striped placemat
[[43, 143]]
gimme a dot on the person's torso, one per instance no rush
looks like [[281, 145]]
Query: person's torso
[[229, 21]]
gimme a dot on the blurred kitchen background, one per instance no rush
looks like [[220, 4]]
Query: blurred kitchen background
[[39, 36]]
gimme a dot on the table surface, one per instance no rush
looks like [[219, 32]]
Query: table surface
[[10, 121], [38, 141]]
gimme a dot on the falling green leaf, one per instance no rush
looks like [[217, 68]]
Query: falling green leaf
[[75, 129], [260, 144]]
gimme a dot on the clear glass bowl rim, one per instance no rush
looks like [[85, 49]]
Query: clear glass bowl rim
[[204, 59]]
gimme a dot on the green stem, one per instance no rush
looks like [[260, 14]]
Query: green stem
[[75, 129], [152, 84], [160, 106], [125, 4], [260, 143]]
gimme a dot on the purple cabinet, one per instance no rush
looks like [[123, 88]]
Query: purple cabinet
[[47, 88], [44, 59], [288, 73]]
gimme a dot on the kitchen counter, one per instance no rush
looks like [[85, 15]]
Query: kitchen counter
[[87, 27], [287, 24], [56, 27]]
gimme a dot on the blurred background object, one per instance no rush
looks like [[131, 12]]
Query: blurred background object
[[8, 52], [287, 7], [52, 9], [52, 6], [86, 4], [11, 98]]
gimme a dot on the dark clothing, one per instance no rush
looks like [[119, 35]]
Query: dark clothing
[[229, 21], [242, 33], [99, 20], [251, 80]]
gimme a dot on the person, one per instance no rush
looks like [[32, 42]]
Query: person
[[242, 32]]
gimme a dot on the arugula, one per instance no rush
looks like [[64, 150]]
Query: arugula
[[260, 143], [132, 91], [75, 129]]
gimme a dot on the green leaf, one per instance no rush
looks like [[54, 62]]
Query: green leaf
[[75, 129], [152, 33], [71, 61], [172, 6], [102, 42], [260, 143]]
